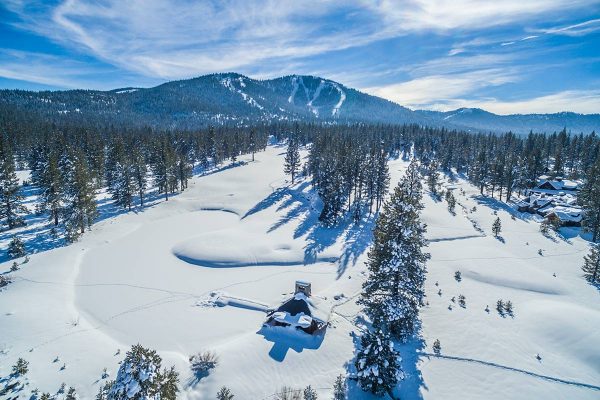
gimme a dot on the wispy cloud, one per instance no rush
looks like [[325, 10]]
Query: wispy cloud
[[581, 29], [59, 72], [176, 38], [440, 91]]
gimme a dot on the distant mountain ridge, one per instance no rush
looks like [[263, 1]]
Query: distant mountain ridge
[[231, 98]]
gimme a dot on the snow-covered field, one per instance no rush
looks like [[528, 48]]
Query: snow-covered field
[[197, 272]]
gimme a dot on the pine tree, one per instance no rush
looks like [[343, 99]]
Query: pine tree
[[377, 363], [497, 227], [451, 200], [437, 347], [163, 167], [21, 367], [433, 177], [16, 248], [140, 172], [225, 394], [394, 290], [71, 394], [119, 175], [80, 204], [309, 393], [292, 158], [591, 265], [141, 370], [252, 143], [11, 201], [589, 198], [50, 181], [339, 388]]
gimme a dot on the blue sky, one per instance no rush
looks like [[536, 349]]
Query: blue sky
[[506, 56]]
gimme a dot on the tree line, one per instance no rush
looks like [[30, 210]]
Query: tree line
[[71, 165]]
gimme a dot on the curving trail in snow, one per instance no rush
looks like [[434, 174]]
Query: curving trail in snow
[[512, 369]]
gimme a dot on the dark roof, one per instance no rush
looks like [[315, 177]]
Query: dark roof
[[294, 307]]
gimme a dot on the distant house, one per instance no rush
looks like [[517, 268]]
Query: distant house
[[302, 312], [553, 203], [558, 183]]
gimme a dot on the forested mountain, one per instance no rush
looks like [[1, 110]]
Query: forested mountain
[[234, 99]]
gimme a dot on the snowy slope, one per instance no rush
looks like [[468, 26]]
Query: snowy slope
[[197, 272]]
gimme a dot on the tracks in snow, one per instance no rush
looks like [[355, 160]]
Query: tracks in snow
[[505, 367]]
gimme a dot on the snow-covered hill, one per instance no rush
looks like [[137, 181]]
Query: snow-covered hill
[[197, 272], [234, 99]]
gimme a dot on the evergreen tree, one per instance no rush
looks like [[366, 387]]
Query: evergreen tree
[[377, 363], [292, 158], [140, 172], [225, 394], [21, 367], [309, 393], [79, 211], [163, 167], [497, 227], [71, 394], [252, 143], [433, 177], [16, 248], [140, 377], [120, 176], [451, 200], [11, 201], [51, 183], [591, 265], [394, 291], [589, 198], [339, 388], [437, 347]]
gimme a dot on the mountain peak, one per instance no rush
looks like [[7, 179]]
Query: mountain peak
[[233, 98]]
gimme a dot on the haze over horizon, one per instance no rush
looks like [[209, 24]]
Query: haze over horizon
[[505, 57]]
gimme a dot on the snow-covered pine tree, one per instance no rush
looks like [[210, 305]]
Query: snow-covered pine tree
[[339, 388], [140, 173], [591, 265], [163, 166], [589, 198], [382, 178], [79, 209], [433, 177], [451, 200], [309, 393], [292, 157], [51, 183], [119, 174], [252, 143], [140, 377], [437, 347], [11, 200], [16, 248], [394, 290], [71, 394], [224, 394], [21, 367], [497, 227], [377, 363]]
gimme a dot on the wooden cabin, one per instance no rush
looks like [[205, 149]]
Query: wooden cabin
[[301, 311]]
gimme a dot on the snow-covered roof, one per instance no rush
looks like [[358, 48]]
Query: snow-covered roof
[[566, 214], [558, 183], [300, 303]]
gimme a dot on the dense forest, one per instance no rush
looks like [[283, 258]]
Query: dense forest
[[347, 163]]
